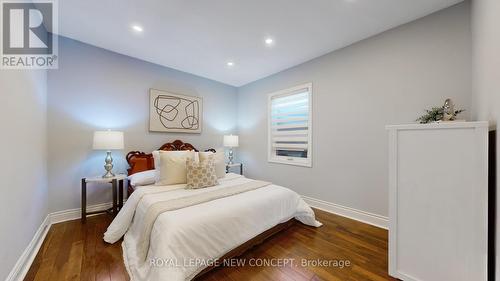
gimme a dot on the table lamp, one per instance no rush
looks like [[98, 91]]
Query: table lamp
[[108, 140], [231, 141]]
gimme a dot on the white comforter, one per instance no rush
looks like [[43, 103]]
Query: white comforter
[[184, 241]]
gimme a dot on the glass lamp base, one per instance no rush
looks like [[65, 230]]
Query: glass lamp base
[[230, 156], [108, 166]]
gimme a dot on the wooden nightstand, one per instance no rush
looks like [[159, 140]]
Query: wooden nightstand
[[117, 190], [229, 166]]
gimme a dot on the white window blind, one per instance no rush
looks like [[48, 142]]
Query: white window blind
[[290, 126]]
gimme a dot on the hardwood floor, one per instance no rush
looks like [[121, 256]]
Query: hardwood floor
[[75, 251]]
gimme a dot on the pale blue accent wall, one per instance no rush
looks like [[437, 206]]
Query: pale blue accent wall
[[96, 89]]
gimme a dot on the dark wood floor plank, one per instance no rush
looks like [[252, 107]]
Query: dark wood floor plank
[[89, 245], [102, 260], [75, 251], [48, 258]]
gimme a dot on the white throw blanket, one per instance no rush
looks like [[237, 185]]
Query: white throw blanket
[[158, 208], [212, 222]]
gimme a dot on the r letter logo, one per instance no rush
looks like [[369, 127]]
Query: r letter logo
[[27, 34]]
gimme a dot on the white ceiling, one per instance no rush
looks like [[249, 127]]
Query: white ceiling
[[201, 36]]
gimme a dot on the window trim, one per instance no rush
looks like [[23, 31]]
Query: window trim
[[307, 162]]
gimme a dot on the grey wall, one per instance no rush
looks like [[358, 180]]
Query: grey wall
[[97, 89], [486, 78], [23, 123], [486, 59], [387, 79]]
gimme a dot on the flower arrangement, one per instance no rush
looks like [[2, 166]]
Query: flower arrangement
[[446, 112]]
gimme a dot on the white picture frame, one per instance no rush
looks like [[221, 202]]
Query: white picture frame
[[174, 113]]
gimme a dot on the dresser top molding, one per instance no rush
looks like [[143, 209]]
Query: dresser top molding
[[439, 125]]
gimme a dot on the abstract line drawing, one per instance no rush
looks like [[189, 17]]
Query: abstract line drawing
[[174, 113]]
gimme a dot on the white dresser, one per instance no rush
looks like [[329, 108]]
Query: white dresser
[[438, 196]]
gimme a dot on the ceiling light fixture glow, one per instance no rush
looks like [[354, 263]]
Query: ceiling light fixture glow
[[269, 41], [137, 28], [230, 63]]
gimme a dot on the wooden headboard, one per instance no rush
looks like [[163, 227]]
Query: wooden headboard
[[140, 161]]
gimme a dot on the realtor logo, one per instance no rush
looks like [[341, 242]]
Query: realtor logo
[[27, 34]]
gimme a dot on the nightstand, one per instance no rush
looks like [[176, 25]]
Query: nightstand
[[229, 166], [117, 190]]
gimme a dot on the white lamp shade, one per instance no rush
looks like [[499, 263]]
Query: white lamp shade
[[231, 141], [108, 140]]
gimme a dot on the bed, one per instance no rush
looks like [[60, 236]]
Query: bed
[[139, 161], [173, 233]]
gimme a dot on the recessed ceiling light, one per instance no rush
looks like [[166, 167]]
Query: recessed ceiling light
[[137, 28], [269, 41], [230, 63]]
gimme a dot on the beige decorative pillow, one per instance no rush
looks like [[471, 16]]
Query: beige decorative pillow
[[219, 158], [157, 162], [201, 174], [173, 167]]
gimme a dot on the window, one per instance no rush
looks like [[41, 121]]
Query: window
[[290, 126]]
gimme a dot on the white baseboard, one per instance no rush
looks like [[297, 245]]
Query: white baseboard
[[362, 216], [73, 214], [28, 256], [24, 262]]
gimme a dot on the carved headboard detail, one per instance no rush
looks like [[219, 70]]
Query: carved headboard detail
[[140, 161], [177, 145]]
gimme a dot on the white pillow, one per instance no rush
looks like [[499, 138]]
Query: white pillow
[[220, 163], [173, 167], [142, 178], [156, 159]]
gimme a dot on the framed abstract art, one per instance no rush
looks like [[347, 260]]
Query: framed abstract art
[[169, 112]]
